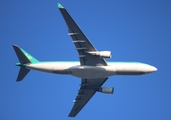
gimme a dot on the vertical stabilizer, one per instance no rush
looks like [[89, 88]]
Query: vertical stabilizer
[[24, 58]]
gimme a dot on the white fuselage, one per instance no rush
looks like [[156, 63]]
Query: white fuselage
[[74, 69]]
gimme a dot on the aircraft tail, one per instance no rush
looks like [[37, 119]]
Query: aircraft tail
[[24, 58]]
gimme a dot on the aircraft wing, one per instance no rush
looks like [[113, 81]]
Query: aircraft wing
[[81, 42], [88, 88]]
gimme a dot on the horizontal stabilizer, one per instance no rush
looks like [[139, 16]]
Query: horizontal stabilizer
[[21, 56], [24, 58], [22, 73]]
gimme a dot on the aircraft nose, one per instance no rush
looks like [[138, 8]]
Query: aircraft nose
[[152, 69]]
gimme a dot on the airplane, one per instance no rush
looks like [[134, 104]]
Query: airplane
[[92, 67]]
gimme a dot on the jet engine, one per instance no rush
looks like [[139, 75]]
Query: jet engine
[[106, 90], [103, 54]]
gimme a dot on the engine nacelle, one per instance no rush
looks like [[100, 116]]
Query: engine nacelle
[[107, 90], [103, 54]]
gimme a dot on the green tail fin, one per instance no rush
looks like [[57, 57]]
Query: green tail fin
[[24, 59], [23, 56]]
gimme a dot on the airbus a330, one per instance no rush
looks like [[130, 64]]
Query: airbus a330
[[92, 69]]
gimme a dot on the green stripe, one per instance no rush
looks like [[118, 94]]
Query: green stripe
[[21, 65], [59, 5]]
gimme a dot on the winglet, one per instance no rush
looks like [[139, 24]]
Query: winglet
[[59, 5]]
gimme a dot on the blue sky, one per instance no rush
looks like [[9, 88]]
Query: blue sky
[[133, 30]]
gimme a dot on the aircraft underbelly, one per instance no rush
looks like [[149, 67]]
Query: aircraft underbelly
[[91, 72]]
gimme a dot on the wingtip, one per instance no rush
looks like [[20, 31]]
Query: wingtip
[[15, 46], [59, 5]]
